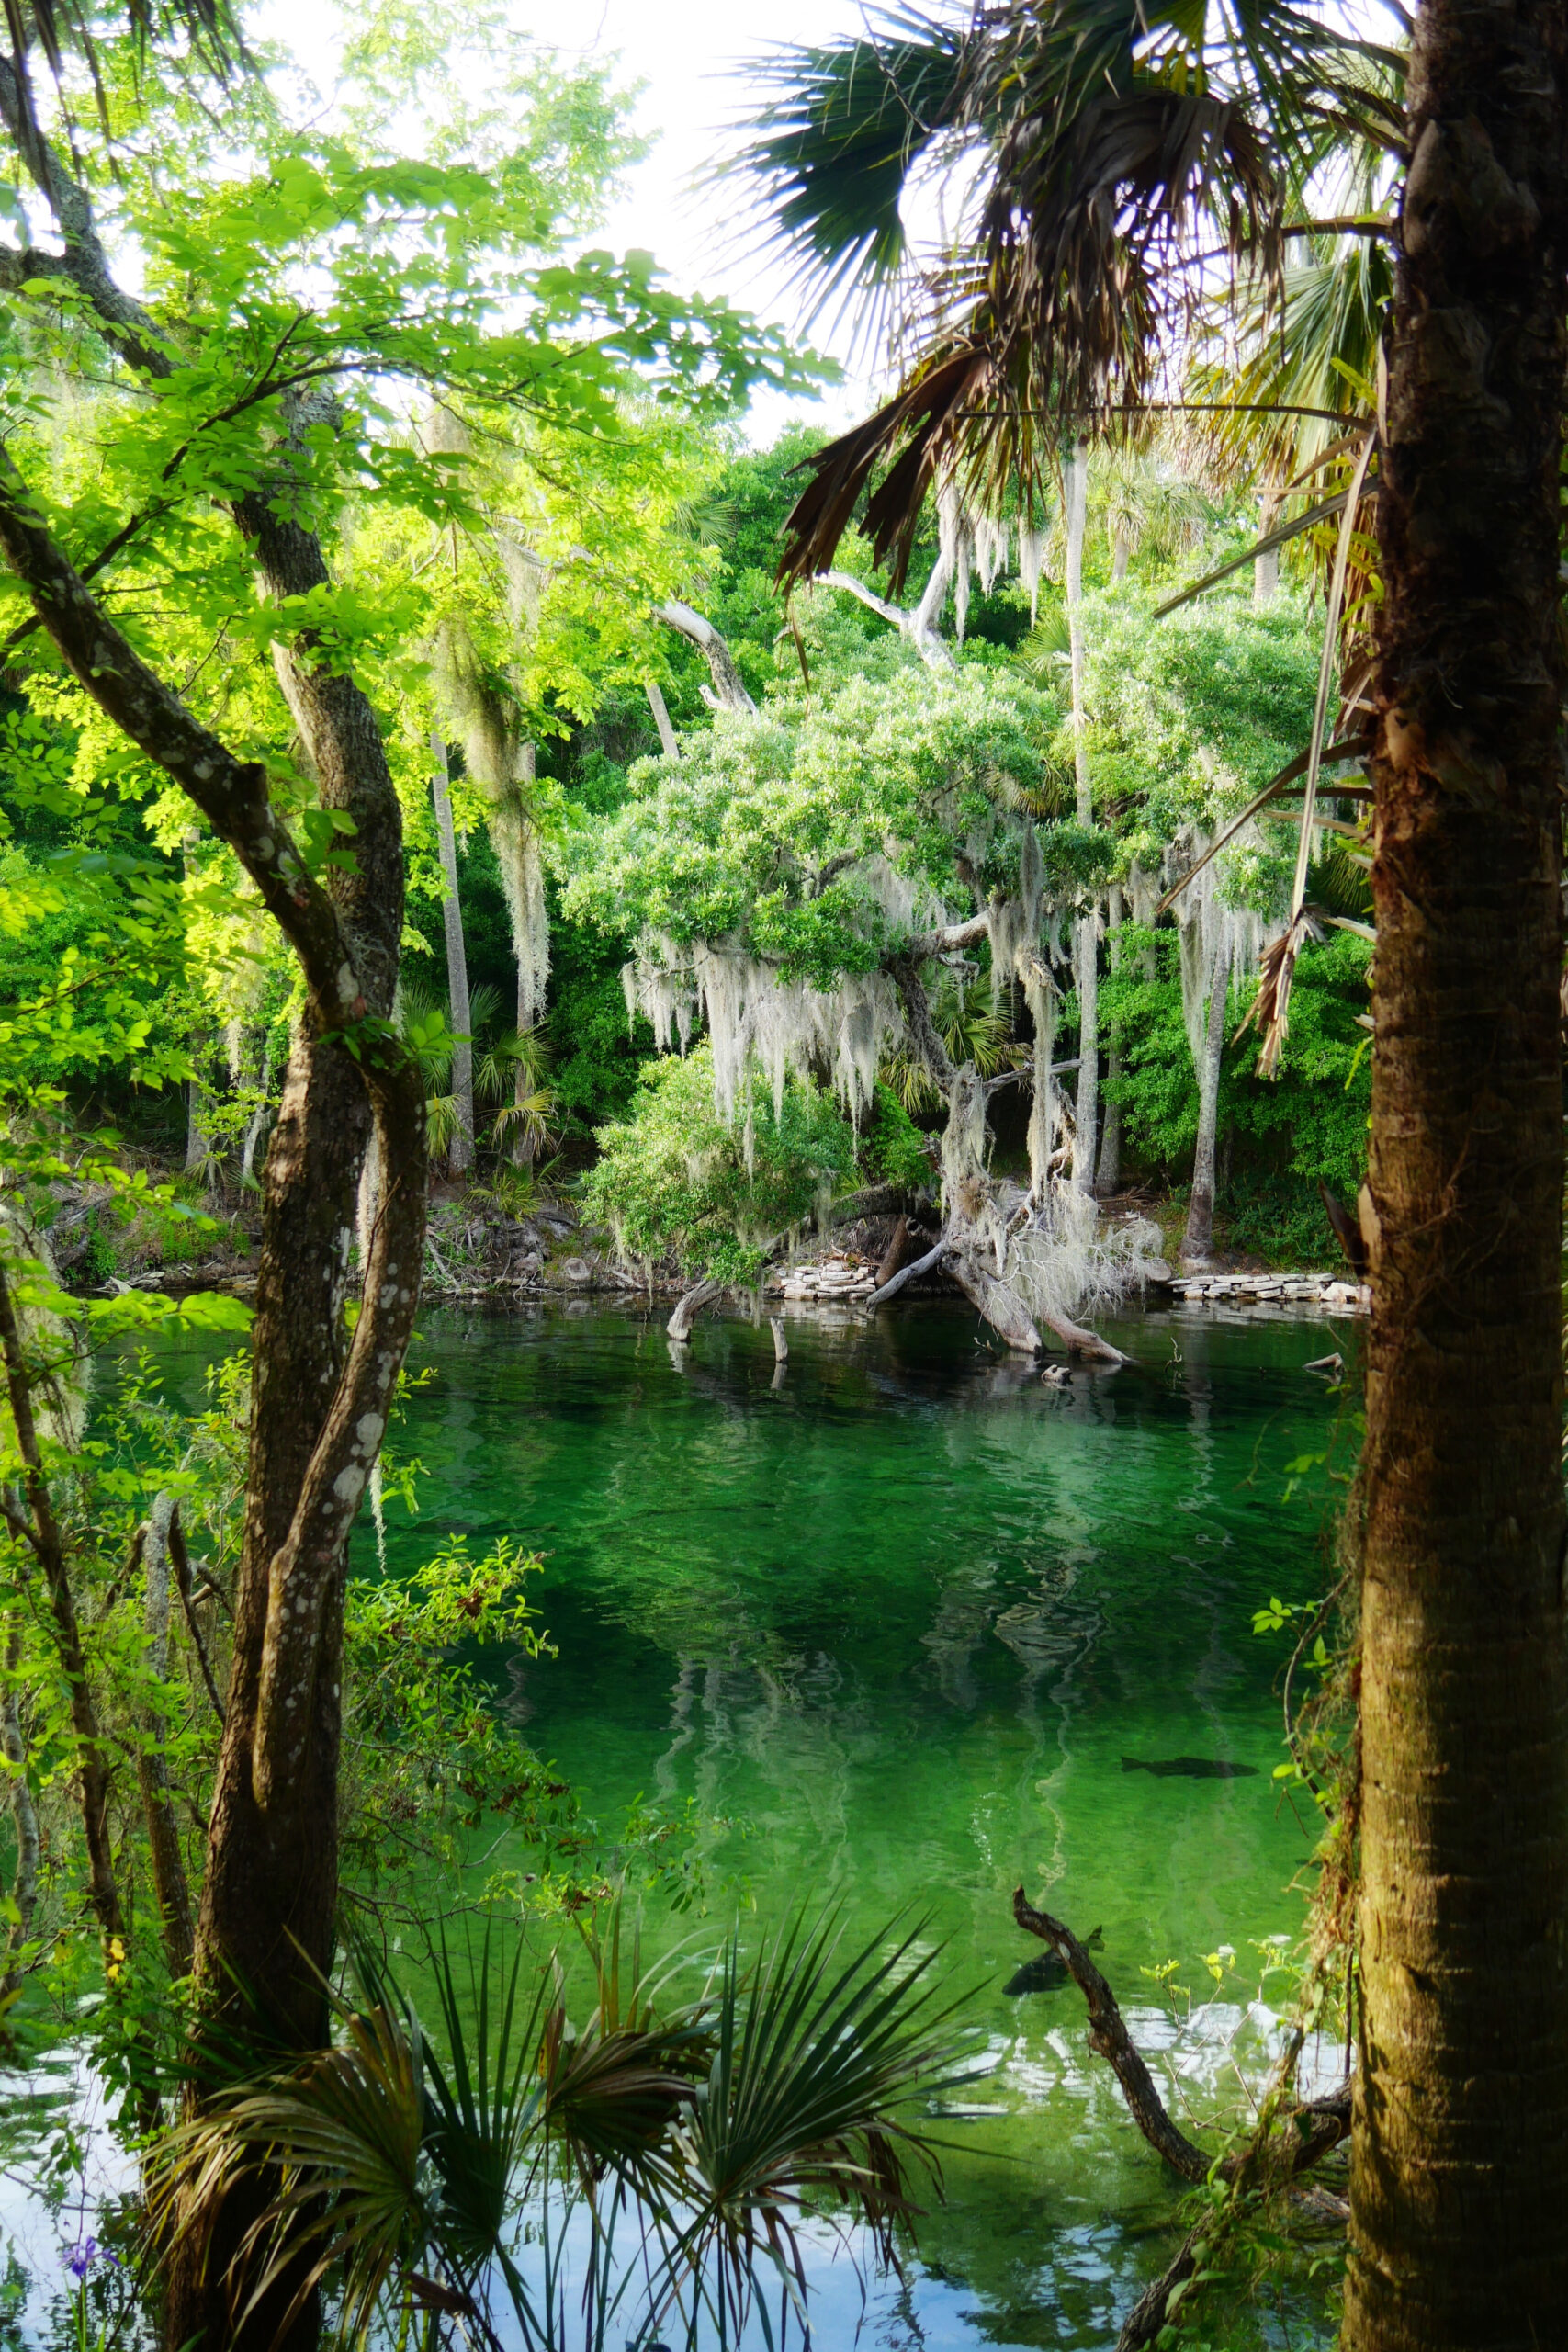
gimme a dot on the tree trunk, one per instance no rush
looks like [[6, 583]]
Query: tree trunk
[[267, 1932], [1460, 2168], [1085, 940], [169, 1882], [729, 691], [1266, 567], [689, 1305], [461, 1154], [1199, 1238], [24, 1811], [1108, 1175], [656, 703]]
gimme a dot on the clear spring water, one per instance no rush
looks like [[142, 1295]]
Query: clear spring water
[[903, 1614]]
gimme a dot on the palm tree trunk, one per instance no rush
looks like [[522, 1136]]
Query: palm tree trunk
[[1199, 1238], [1086, 942], [461, 1154], [1459, 2166]]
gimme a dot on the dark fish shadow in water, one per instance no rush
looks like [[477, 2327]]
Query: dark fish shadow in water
[[1046, 1970], [1189, 1768]]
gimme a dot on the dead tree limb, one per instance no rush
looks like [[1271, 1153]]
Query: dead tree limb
[[689, 1306], [912, 1273], [1268, 2159], [1109, 2040], [1148, 2315]]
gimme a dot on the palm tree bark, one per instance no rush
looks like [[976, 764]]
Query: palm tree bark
[[1086, 938], [1460, 2169], [460, 1156], [1199, 1238]]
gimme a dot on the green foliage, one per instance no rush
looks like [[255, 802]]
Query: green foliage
[[1309, 1123], [797, 2084], [673, 1180], [772, 830], [892, 1149]]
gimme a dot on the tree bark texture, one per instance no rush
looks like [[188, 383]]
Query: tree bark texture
[[1086, 932], [1199, 1238], [729, 691], [1460, 2168], [461, 1154]]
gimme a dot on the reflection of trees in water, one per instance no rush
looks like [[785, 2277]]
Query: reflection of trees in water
[[792, 1719]]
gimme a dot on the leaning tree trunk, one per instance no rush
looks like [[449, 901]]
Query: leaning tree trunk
[[267, 1932], [460, 1157], [1085, 936], [1460, 2169], [1199, 1238]]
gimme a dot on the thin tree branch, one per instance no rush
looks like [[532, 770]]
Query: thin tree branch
[[181, 1558]]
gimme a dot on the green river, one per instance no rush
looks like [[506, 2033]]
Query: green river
[[897, 1622], [903, 1614]]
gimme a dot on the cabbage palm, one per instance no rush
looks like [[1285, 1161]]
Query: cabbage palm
[[1108, 149], [408, 2164], [1117, 153]]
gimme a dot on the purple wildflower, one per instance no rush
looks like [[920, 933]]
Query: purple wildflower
[[81, 2258]]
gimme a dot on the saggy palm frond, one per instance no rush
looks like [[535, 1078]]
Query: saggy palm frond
[[1116, 145]]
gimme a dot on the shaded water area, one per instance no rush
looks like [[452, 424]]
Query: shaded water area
[[905, 1616]]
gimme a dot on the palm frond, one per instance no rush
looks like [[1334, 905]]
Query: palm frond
[[843, 127], [818, 2062], [1117, 144]]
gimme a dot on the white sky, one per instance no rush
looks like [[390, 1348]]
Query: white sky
[[691, 55]]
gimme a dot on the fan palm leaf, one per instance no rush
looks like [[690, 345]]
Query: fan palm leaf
[[818, 2058], [1115, 144]]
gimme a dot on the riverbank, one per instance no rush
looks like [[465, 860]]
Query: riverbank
[[482, 1245]]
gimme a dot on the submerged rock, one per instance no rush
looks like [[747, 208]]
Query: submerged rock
[[1045, 1971]]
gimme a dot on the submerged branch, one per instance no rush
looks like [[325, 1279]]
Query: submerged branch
[[1109, 2040]]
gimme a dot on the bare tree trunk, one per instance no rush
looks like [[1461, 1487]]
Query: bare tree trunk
[[918, 624], [169, 1883], [1266, 567], [689, 1306], [461, 1155], [728, 689], [656, 703], [1108, 1176], [1086, 939], [1199, 1238], [1459, 2181]]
